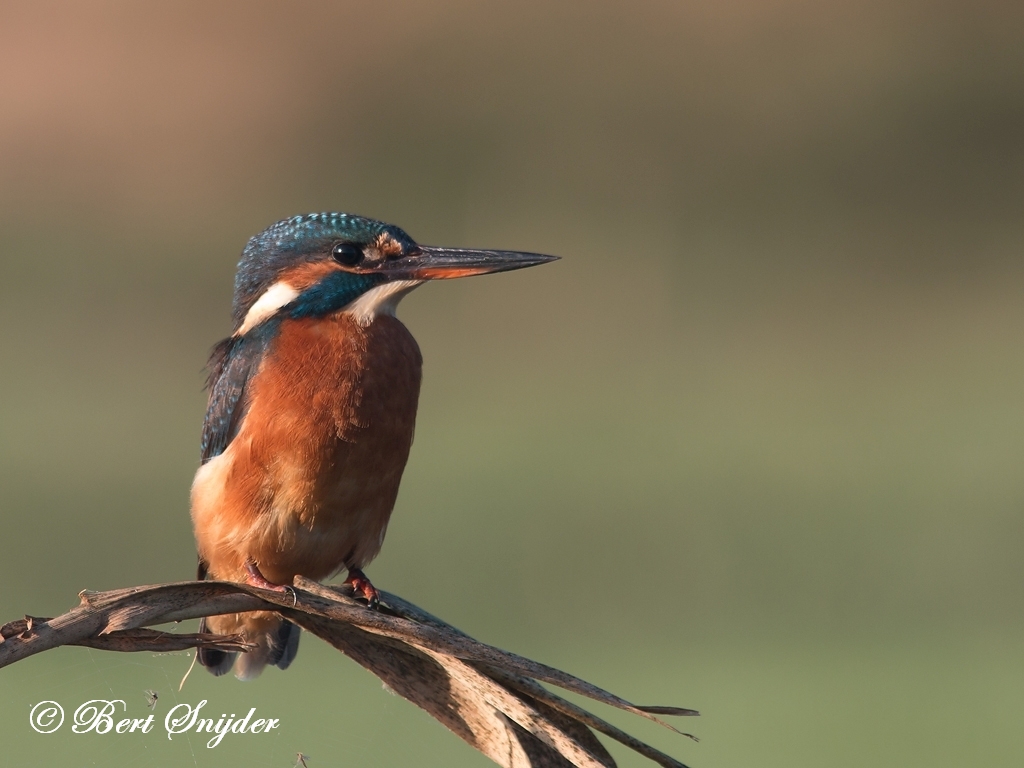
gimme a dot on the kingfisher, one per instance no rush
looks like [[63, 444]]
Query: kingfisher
[[310, 416]]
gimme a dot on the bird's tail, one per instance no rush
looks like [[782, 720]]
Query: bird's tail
[[276, 641]]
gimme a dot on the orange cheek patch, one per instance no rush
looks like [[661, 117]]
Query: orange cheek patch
[[307, 275], [446, 273]]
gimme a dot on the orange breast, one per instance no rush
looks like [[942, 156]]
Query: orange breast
[[308, 484]]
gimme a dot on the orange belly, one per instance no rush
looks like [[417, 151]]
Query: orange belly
[[308, 483]]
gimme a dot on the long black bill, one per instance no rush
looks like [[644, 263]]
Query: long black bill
[[431, 263]]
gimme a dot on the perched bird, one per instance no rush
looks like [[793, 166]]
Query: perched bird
[[312, 403]]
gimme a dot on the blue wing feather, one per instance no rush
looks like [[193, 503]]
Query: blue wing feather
[[233, 363]]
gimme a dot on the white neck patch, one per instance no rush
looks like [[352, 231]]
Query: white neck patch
[[382, 300], [275, 297]]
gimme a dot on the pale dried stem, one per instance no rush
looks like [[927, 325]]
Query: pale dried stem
[[489, 697]]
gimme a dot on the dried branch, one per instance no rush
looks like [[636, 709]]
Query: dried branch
[[488, 697]]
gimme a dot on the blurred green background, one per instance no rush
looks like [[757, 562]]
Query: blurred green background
[[753, 446]]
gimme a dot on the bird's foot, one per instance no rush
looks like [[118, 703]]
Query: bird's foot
[[257, 579], [361, 587]]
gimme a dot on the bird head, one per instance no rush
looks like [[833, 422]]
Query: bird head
[[319, 263]]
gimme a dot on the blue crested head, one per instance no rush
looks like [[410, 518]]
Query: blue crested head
[[309, 238]]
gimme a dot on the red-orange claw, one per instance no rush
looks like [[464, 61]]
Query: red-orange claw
[[361, 587]]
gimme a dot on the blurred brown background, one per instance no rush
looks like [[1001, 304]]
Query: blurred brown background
[[753, 446]]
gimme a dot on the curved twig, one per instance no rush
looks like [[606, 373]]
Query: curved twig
[[489, 697]]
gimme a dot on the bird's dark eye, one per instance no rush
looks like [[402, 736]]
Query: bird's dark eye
[[347, 254]]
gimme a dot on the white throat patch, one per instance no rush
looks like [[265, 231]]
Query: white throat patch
[[275, 297], [382, 300]]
